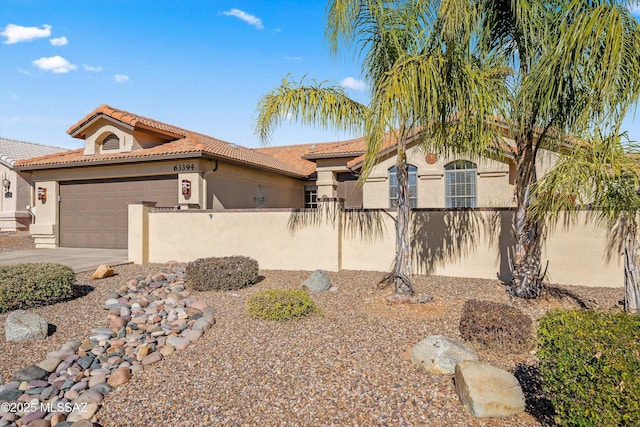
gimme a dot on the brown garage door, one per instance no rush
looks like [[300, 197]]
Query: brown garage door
[[93, 214]]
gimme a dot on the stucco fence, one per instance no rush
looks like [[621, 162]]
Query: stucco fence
[[456, 243]]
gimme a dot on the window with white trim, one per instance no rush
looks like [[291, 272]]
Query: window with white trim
[[413, 187], [460, 184]]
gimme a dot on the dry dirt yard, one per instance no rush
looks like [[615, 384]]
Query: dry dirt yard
[[347, 367], [16, 241]]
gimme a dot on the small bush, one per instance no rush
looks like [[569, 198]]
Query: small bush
[[496, 326], [590, 363], [221, 274], [34, 285], [280, 304]]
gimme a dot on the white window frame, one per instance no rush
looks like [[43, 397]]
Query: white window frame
[[460, 182], [413, 187]]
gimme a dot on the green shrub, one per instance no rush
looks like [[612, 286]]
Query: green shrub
[[280, 304], [221, 274], [34, 285], [496, 326], [590, 363]]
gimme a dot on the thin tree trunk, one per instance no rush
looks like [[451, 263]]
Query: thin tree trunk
[[402, 267], [526, 265], [631, 270]]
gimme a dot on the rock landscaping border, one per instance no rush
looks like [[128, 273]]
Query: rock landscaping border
[[149, 318]]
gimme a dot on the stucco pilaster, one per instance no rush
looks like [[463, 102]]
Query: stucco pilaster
[[327, 184], [45, 228], [195, 197]]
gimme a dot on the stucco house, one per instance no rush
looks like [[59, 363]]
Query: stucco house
[[81, 196], [17, 185]]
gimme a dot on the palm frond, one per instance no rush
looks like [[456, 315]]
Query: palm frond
[[319, 104]]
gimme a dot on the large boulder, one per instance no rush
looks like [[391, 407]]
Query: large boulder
[[22, 325], [487, 391], [319, 281], [440, 355], [102, 272]]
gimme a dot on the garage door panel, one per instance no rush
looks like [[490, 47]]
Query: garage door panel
[[94, 214]]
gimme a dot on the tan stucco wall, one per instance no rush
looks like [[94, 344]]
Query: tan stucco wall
[[46, 227], [463, 244], [458, 244], [493, 187], [13, 212], [263, 235], [226, 186], [237, 187]]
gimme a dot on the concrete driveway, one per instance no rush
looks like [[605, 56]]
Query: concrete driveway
[[79, 259]]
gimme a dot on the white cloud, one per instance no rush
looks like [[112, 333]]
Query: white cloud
[[351, 83], [55, 64], [635, 9], [121, 78], [18, 33], [25, 72], [59, 41], [91, 68], [293, 58], [244, 16]]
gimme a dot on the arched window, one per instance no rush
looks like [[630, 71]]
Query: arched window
[[111, 142], [460, 184], [413, 187]]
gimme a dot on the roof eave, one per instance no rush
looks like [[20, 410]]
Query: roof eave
[[332, 156], [88, 163], [157, 157], [77, 132]]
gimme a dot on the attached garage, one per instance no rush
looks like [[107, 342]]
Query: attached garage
[[93, 214], [81, 197]]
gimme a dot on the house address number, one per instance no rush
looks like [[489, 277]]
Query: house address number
[[184, 167]]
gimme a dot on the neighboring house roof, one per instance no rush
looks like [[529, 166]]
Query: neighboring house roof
[[11, 151], [186, 145]]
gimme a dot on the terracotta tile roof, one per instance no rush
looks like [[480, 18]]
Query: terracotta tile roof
[[130, 119], [12, 151], [190, 144], [352, 147], [292, 155]]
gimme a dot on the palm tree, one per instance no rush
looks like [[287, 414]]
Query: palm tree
[[576, 72], [605, 176], [389, 36]]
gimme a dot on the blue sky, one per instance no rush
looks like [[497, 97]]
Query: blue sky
[[201, 65]]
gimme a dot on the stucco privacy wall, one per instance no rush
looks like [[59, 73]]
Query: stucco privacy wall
[[452, 243], [475, 244], [262, 235]]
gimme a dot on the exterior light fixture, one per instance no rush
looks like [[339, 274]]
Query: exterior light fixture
[[6, 184]]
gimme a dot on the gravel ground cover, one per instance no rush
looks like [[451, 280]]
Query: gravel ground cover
[[16, 241], [347, 367]]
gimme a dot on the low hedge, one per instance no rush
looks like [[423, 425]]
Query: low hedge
[[221, 274], [34, 285], [590, 363], [280, 304]]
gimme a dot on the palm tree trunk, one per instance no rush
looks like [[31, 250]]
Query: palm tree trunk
[[631, 270], [402, 267], [526, 255]]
